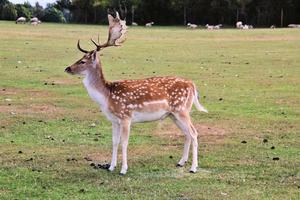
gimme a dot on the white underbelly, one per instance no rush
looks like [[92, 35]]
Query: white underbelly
[[148, 116]]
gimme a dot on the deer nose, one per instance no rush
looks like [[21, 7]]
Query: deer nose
[[68, 69]]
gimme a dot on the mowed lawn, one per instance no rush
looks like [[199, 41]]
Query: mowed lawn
[[50, 130]]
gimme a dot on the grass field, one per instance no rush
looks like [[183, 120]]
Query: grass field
[[249, 81]]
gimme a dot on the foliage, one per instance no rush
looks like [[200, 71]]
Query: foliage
[[53, 15], [38, 11], [257, 12], [23, 11], [9, 12], [174, 12], [2, 4], [63, 4]]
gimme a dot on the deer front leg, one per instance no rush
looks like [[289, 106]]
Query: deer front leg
[[115, 143], [186, 149], [125, 129], [187, 142]]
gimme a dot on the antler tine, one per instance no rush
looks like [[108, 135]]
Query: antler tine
[[80, 49], [99, 47], [95, 43]]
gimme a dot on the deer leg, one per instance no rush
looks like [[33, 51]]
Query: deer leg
[[115, 143], [187, 142], [183, 119], [125, 129], [195, 149]]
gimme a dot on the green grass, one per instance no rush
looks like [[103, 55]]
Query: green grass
[[255, 72]]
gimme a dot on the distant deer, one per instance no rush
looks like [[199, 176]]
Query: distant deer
[[35, 23], [192, 26], [239, 25], [21, 20], [149, 24], [213, 27], [130, 101], [34, 19]]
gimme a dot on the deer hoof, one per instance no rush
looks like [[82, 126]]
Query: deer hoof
[[122, 173], [111, 168], [193, 170]]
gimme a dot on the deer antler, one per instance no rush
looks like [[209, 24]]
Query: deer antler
[[81, 49], [117, 29]]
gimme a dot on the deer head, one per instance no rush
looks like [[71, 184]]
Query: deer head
[[116, 36], [86, 63]]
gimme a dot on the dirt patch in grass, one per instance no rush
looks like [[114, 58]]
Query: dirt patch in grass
[[288, 101], [65, 81], [12, 103], [26, 92], [3, 191], [207, 133], [210, 133], [31, 109], [98, 156]]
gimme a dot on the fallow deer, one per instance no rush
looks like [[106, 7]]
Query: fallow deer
[[192, 26], [131, 101], [149, 24], [21, 20]]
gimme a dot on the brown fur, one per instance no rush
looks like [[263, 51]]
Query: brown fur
[[138, 93]]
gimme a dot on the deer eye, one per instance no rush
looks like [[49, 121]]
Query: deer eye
[[82, 62]]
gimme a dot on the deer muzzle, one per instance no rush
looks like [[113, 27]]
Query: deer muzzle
[[68, 70]]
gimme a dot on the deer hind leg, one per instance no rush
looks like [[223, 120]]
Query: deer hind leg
[[195, 149], [115, 143], [124, 130], [184, 123]]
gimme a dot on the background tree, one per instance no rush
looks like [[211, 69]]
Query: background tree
[[2, 4], [100, 10], [171, 12], [9, 12], [53, 15], [65, 7], [180, 8], [38, 11], [82, 10], [241, 12], [23, 11]]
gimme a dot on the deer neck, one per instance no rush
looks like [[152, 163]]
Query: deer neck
[[96, 85]]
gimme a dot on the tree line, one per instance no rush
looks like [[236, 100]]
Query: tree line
[[259, 13]]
